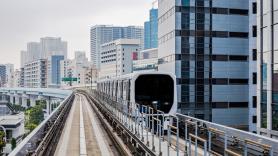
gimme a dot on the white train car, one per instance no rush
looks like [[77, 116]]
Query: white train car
[[153, 89]]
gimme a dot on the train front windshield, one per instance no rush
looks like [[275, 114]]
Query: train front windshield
[[156, 91]]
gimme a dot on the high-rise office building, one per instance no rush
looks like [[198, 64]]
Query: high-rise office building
[[2, 75], [205, 44], [44, 49], [23, 58], [33, 51], [54, 71], [147, 35], [48, 52], [101, 34], [53, 46], [150, 30], [267, 105]]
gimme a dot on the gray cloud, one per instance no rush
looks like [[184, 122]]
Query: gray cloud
[[22, 21]]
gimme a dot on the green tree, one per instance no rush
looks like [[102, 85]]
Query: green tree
[[2, 141], [13, 143], [18, 108], [34, 116]]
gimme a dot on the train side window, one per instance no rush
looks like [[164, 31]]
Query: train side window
[[116, 88], [128, 90]]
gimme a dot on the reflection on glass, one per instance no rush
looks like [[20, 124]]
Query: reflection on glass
[[263, 115], [275, 84], [264, 76], [275, 117]]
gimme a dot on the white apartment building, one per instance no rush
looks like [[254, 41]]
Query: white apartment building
[[101, 34], [117, 56], [35, 74], [14, 79], [79, 68]]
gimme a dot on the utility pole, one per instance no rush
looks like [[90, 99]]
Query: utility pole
[[91, 77]]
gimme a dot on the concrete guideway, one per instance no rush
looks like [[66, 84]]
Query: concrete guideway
[[91, 123], [83, 134], [141, 136]]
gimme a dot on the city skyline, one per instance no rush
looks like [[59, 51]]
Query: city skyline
[[25, 23]]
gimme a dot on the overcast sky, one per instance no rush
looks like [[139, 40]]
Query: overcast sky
[[22, 21]]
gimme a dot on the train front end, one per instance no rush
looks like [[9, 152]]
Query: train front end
[[157, 91]]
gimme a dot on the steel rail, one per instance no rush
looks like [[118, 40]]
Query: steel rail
[[107, 111]]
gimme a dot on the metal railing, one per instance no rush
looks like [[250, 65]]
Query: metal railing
[[183, 131]]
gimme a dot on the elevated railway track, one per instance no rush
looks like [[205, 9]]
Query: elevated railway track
[[93, 123]]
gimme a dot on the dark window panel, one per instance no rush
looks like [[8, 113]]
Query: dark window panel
[[238, 11], [254, 31], [238, 58], [254, 8], [254, 100], [254, 54], [254, 78], [238, 34], [254, 119], [238, 104], [238, 81]]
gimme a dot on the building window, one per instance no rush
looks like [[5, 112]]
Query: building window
[[238, 105], [254, 54], [254, 31], [275, 117], [263, 115], [254, 119], [254, 78], [254, 101], [254, 8]]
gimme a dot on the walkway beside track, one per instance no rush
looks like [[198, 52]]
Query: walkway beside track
[[83, 134]]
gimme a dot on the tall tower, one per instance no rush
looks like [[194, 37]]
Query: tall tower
[[205, 44]]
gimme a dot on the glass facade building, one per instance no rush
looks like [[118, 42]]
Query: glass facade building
[[147, 35], [150, 32], [2, 75], [54, 70], [268, 67], [206, 45]]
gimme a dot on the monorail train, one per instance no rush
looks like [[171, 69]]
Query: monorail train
[[153, 89]]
